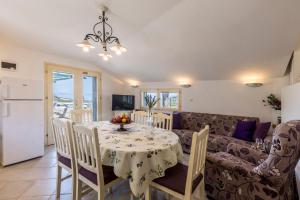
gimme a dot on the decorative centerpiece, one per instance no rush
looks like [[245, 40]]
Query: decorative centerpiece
[[122, 121]]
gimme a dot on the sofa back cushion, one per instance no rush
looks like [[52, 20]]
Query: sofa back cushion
[[245, 130], [262, 130], [177, 120], [219, 124]]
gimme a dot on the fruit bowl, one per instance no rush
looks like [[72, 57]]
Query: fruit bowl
[[122, 121]]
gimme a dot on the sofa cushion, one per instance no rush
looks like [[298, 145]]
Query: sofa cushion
[[262, 130], [191, 121], [217, 143], [245, 130], [177, 120], [218, 124], [185, 137]]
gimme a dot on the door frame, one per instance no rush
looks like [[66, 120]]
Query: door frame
[[78, 98]]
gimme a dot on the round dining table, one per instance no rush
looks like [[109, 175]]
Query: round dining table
[[140, 154]]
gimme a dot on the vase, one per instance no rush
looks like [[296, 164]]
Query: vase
[[149, 112]]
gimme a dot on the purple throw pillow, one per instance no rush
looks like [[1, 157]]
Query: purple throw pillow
[[262, 130], [244, 130], [177, 120]]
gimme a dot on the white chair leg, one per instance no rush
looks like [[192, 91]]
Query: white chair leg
[[110, 190], [78, 189], [202, 190], [58, 181], [148, 193], [100, 196], [74, 186]]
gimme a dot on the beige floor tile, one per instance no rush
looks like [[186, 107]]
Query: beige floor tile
[[62, 197], [66, 186], [41, 188], [27, 174], [36, 180], [35, 163], [35, 198], [14, 189], [2, 184]]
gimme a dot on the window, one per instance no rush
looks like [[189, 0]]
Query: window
[[169, 99]]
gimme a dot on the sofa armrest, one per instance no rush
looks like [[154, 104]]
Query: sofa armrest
[[226, 174], [246, 153], [232, 163]]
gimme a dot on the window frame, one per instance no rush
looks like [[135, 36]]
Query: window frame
[[158, 91]]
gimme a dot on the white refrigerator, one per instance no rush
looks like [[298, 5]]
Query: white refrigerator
[[22, 120]]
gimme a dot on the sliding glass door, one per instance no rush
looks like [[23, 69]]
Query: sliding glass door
[[90, 94], [67, 89]]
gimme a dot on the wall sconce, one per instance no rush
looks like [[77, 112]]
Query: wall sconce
[[185, 85], [254, 85], [134, 86]]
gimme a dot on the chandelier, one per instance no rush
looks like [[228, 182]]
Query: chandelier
[[103, 33]]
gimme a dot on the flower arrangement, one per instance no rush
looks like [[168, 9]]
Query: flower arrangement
[[150, 102], [272, 101]]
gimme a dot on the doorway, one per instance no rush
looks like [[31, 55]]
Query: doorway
[[68, 88]]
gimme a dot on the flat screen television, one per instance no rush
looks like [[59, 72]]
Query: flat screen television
[[122, 102]]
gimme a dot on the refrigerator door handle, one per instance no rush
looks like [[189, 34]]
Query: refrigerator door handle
[[5, 109]]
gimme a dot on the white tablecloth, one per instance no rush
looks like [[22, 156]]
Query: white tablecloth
[[140, 154]]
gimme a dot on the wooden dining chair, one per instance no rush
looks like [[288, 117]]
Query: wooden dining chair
[[181, 181], [88, 160], [140, 117], [65, 153], [82, 115], [161, 120]]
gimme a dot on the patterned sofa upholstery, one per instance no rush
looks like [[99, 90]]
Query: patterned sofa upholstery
[[221, 128], [245, 173]]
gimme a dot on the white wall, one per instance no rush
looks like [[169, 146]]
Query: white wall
[[225, 97], [30, 65], [295, 71], [291, 102]]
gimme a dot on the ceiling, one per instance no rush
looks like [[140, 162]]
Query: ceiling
[[166, 39]]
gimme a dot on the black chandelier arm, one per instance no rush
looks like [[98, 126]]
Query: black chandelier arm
[[97, 32], [112, 39], [108, 31], [94, 37]]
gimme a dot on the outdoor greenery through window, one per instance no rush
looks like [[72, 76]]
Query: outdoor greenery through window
[[169, 99]]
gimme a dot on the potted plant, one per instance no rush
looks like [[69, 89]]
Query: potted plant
[[275, 103], [150, 102]]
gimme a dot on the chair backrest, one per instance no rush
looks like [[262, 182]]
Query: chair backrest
[[82, 115], [140, 117], [197, 157], [284, 153], [87, 150], [62, 130], [161, 120]]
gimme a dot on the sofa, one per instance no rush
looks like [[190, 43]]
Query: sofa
[[221, 129], [246, 173]]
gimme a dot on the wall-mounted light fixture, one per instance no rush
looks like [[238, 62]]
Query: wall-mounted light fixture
[[134, 86], [186, 85], [254, 85]]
